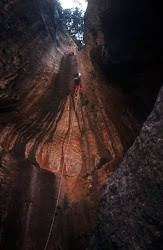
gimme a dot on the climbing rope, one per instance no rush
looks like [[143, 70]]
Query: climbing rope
[[63, 166]]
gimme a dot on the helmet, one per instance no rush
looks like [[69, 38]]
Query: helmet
[[79, 74]]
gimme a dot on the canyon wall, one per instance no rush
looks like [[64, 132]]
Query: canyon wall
[[124, 46], [32, 43], [131, 205], [37, 105]]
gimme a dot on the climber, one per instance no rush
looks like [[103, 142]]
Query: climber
[[77, 82]]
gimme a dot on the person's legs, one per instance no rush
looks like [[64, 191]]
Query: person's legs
[[81, 88], [76, 88]]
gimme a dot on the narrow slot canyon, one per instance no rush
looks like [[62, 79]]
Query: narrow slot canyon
[[108, 137]]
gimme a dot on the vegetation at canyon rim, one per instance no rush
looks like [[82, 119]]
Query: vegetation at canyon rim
[[73, 20]]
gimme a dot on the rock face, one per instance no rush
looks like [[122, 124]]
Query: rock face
[[124, 44], [32, 43], [37, 105], [131, 205]]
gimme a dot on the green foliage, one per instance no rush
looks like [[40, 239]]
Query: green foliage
[[73, 20]]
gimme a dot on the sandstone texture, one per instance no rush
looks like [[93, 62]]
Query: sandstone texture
[[37, 116], [32, 43], [131, 205]]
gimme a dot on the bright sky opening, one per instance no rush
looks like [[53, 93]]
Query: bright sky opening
[[68, 4]]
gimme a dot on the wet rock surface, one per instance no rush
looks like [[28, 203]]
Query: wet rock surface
[[131, 204]]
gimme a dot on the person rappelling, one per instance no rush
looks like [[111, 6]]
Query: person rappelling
[[77, 82]]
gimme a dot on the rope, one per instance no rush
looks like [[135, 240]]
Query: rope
[[60, 186]]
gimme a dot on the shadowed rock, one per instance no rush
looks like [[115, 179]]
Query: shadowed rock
[[131, 205]]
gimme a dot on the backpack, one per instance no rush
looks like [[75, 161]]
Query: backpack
[[77, 79], [76, 76]]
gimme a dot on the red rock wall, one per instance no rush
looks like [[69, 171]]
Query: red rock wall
[[37, 109]]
